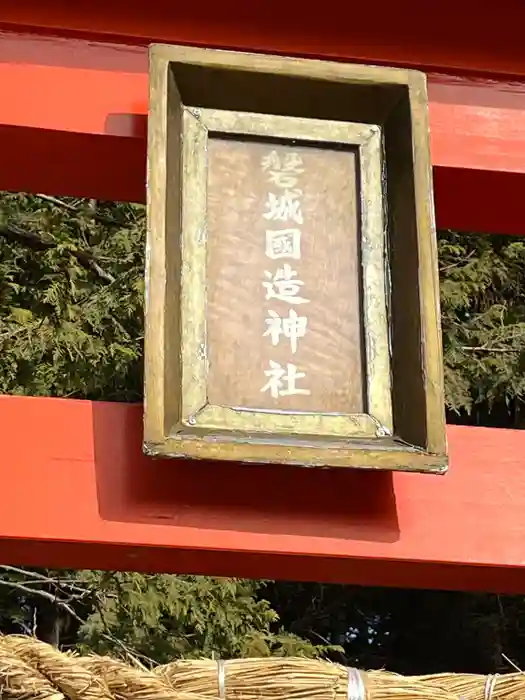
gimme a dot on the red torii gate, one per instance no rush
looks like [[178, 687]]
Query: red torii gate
[[77, 491]]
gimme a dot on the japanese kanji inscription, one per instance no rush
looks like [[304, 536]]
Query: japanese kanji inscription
[[291, 312], [303, 331]]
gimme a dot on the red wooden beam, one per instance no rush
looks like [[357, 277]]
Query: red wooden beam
[[73, 121], [78, 492], [447, 37]]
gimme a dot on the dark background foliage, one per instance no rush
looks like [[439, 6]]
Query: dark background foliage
[[71, 296]]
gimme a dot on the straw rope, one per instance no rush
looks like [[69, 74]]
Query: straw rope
[[32, 670]]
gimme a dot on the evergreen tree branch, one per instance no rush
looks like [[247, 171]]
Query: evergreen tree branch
[[459, 263], [86, 259], [100, 218]]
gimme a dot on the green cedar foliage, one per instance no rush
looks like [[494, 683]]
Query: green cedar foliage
[[71, 316], [164, 617], [150, 618], [71, 325], [483, 319], [71, 298]]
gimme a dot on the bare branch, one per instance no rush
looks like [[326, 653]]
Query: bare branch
[[457, 264], [132, 655], [101, 219], [58, 202], [42, 594], [482, 348], [509, 661], [44, 579]]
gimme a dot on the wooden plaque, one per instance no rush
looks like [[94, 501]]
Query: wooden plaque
[[292, 312], [283, 277]]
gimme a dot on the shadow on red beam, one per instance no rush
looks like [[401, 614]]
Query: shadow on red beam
[[482, 201], [73, 122], [113, 168], [119, 557], [441, 37], [78, 491]]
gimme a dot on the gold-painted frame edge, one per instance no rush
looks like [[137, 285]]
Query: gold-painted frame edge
[[196, 412], [156, 403]]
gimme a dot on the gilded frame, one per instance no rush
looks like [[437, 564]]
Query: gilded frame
[[197, 126], [395, 101]]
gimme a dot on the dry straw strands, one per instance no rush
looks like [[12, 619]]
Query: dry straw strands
[[292, 679], [32, 670], [510, 686]]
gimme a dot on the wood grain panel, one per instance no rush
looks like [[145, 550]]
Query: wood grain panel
[[303, 225]]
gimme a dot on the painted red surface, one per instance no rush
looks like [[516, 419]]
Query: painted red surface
[[458, 37], [73, 120], [77, 491], [76, 488]]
